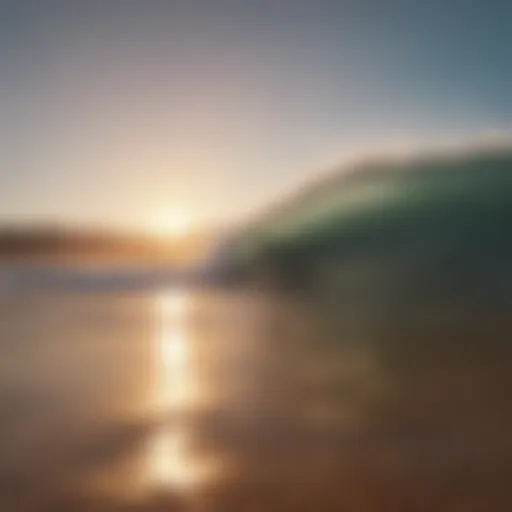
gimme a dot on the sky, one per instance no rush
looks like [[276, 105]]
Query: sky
[[119, 112]]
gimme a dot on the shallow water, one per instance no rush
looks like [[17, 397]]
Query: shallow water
[[230, 401]]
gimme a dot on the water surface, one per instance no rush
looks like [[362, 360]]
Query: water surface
[[187, 400]]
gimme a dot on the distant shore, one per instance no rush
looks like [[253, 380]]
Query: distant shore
[[73, 247]]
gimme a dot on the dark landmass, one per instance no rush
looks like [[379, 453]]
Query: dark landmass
[[43, 244]]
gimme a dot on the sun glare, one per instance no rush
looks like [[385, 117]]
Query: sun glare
[[171, 225]]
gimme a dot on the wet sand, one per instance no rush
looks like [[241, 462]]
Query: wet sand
[[233, 401]]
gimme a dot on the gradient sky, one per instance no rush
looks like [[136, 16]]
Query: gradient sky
[[113, 112]]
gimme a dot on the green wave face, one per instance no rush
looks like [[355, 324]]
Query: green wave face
[[388, 204], [421, 239]]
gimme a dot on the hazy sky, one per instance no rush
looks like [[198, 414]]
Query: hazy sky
[[114, 111]]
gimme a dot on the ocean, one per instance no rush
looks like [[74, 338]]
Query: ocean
[[230, 400]]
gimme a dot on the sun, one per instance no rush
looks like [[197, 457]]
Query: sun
[[171, 225]]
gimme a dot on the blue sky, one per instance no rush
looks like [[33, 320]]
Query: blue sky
[[115, 112]]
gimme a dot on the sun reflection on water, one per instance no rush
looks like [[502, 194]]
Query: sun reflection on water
[[170, 464]]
